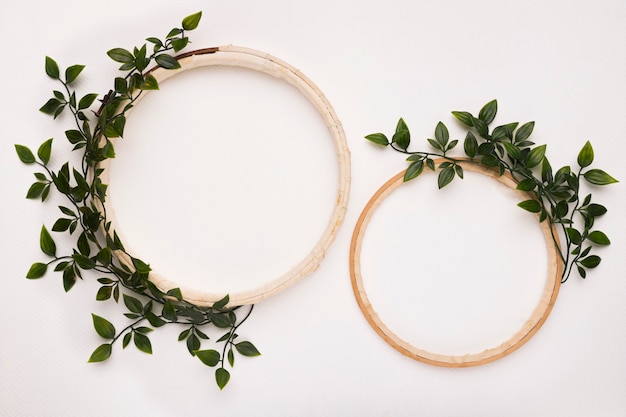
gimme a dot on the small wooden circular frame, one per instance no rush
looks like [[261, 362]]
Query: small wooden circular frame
[[532, 325], [234, 56]]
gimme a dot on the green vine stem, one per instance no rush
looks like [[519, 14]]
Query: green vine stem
[[84, 217], [557, 196]]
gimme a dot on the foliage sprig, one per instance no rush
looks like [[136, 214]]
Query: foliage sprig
[[556, 195], [84, 219]]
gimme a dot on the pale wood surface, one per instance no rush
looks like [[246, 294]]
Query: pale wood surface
[[530, 327]]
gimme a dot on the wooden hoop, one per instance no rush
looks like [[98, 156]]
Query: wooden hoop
[[234, 56], [532, 325]]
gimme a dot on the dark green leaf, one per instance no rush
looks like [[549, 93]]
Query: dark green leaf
[[599, 177], [44, 151], [574, 235], [191, 22], [488, 112], [402, 138], [231, 358], [156, 41], [489, 160], [535, 156], [102, 353], [193, 344], [464, 117], [47, 243], [103, 327], [247, 349], [71, 73], [35, 190], [169, 311], [596, 210], [69, 278], [530, 205], [155, 320], [378, 138], [61, 225], [459, 171], [183, 335], [452, 144], [173, 32], [221, 320], [104, 293], [104, 256], [481, 127], [435, 144], [470, 145], [585, 156], [441, 134], [37, 270], [133, 304], [127, 337], [599, 238], [222, 302], [140, 266], [430, 163], [52, 68], [446, 175], [143, 343], [25, 154], [582, 271], [209, 357], [121, 55], [83, 261], [179, 44], [176, 293], [591, 261], [414, 169], [167, 61], [524, 132], [87, 101], [149, 83], [52, 106], [513, 151], [546, 171], [222, 376]]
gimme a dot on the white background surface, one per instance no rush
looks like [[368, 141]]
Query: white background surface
[[560, 63]]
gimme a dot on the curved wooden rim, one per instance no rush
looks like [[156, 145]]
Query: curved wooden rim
[[234, 56], [532, 325]]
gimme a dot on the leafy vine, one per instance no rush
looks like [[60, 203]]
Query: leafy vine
[[507, 148], [85, 220]]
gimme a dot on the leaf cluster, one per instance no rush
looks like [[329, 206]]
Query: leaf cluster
[[96, 246], [555, 195]]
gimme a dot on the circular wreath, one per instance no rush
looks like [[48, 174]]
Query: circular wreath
[[153, 301], [507, 154]]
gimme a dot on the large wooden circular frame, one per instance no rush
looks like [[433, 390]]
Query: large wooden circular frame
[[234, 56], [530, 327]]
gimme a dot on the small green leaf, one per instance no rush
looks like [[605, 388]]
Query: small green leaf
[[35, 190], [61, 225], [446, 176], [127, 337], [191, 22], [414, 169], [193, 344], [103, 327], [143, 343], [222, 302], [530, 205], [402, 138], [535, 156], [222, 376], [596, 210], [441, 134], [44, 151], [133, 304], [149, 83], [378, 138], [102, 353], [231, 358], [87, 101], [585, 156], [52, 68], [83, 261], [599, 238], [167, 61], [488, 112], [574, 235], [179, 44], [599, 177], [71, 73], [209, 357], [121, 55], [104, 293], [481, 127], [37, 270], [25, 154], [52, 107], [464, 117], [247, 349], [591, 261], [47, 243], [527, 184], [524, 132], [470, 145], [176, 293]]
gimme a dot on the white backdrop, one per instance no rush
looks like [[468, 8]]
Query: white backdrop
[[559, 63]]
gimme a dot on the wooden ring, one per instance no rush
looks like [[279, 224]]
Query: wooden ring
[[532, 325], [234, 56]]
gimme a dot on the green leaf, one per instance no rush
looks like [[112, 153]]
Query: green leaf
[[121, 55], [513, 151], [546, 171], [530, 205], [446, 176], [599, 177], [71, 73], [69, 278], [596, 210], [599, 238], [222, 376], [35, 190], [133, 304], [209, 357], [37, 270], [585, 156], [591, 261], [378, 138], [52, 107], [143, 343], [25, 154], [167, 61], [574, 235], [83, 261], [464, 117], [191, 22], [524, 132], [222, 302], [402, 138], [179, 44], [481, 127], [441, 134], [470, 145], [52, 68], [61, 225], [87, 101], [176, 293], [47, 243], [103, 327], [169, 311], [231, 358], [126, 339], [488, 112], [247, 349], [193, 344], [535, 156], [102, 353], [220, 320], [104, 293], [414, 169], [173, 32], [44, 151], [149, 83]]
